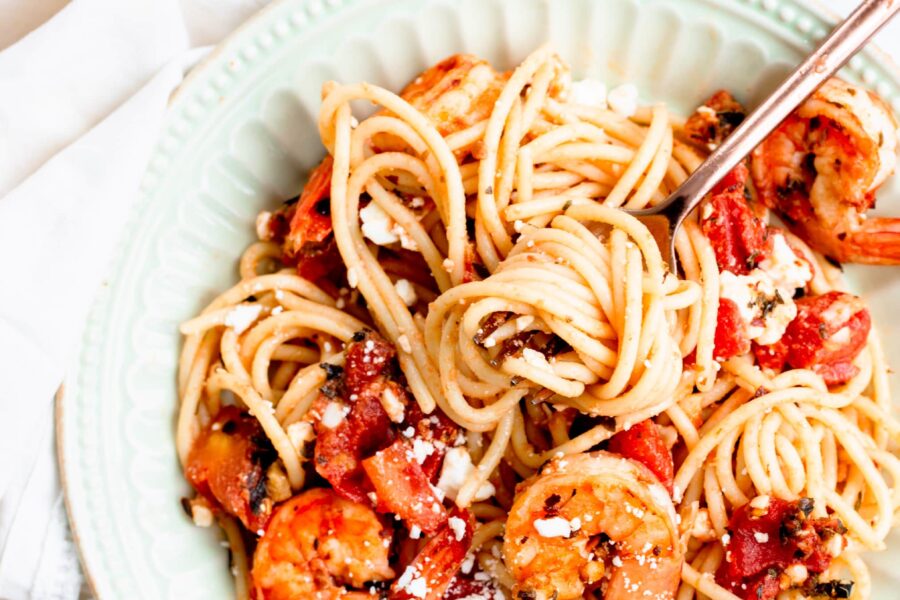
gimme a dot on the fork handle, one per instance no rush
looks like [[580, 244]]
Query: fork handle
[[830, 56]]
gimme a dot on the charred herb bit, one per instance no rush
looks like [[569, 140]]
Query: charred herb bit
[[331, 371], [823, 331], [360, 335], [291, 201], [567, 205], [834, 589], [760, 392], [834, 263], [489, 190], [814, 123], [753, 260], [527, 595], [481, 270], [186, 507], [490, 325], [806, 505], [551, 505], [323, 207]]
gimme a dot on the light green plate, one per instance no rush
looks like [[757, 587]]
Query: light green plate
[[239, 136]]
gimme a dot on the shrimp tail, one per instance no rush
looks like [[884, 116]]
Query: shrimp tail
[[876, 242]]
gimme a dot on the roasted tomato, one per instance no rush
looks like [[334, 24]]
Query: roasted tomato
[[431, 572], [366, 428], [738, 237], [403, 488], [227, 465], [644, 443], [767, 540], [828, 332], [435, 429], [714, 121], [731, 335]]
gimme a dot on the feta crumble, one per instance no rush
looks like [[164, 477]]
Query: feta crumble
[[456, 470], [333, 415], [242, 316], [458, 526], [406, 291], [553, 527], [588, 92]]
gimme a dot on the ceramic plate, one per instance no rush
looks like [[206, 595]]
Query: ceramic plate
[[239, 137]]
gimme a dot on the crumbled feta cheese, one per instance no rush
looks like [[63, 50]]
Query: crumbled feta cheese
[[242, 316], [458, 526], [352, 278], [448, 265], [422, 449], [553, 527], [415, 532], [377, 225], [787, 270], [334, 413], [201, 515], [765, 310], [406, 291], [623, 99], [796, 573], [392, 405], [760, 537], [588, 92], [841, 336], [523, 322], [456, 470]]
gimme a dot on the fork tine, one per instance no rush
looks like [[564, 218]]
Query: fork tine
[[661, 229]]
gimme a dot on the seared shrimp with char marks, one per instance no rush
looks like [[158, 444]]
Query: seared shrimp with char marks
[[821, 167], [593, 522], [316, 544]]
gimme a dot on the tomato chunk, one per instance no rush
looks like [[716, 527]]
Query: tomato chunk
[[644, 443], [828, 332], [366, 428], [436, 429], [731, 335], [738, 237], [764, 542], [227, 466], [431, 572], [403, 488]]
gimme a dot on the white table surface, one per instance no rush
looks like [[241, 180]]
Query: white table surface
[[18, 17]]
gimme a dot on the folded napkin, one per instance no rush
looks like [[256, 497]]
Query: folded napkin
[[82, 99]]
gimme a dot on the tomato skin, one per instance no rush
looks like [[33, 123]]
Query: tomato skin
[[762, 546], [731, 335], [439, 560], [738, 237], [436, 428], [809, 342], [308, 225], [403, 488], [367, 428], [227, 466], [643, 443]]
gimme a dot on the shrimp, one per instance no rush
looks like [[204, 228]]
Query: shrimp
[[593, 521], [317, 543], [456, 93], [821, 167]]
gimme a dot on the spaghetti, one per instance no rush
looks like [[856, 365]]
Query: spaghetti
[[456, 325]]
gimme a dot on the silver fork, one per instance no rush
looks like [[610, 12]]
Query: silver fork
[[664, 219]]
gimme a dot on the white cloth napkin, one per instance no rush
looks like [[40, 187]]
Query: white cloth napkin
[[82, 99]]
